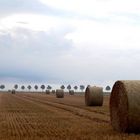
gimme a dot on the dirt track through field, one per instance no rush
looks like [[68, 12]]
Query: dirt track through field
[[43, 117], [75, 110], [72, 102]]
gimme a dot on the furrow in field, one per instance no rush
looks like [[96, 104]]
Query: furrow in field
[[76, 111], [17, 119], [70, 103]]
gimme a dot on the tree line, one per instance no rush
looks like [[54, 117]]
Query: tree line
[[43, 87]]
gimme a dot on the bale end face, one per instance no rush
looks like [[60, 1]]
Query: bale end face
[[94, 96], [13, 92], [119, 107], [71, 92], [47, 91], [53, 91], [125, 106], [59, 93]]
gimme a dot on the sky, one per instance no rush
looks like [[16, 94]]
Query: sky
[[90, 42]]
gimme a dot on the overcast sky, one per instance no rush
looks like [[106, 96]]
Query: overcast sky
[[70, 42]]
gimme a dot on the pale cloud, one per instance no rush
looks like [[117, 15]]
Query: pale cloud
[[31, 52], [93, 34], [85, 32], [90, 42], [100, 8], [35, 22], [21, 6]]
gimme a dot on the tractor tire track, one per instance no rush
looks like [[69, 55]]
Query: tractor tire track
[[67, 104], [74, 110]]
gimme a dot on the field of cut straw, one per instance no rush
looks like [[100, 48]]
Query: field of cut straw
[[34, 116]]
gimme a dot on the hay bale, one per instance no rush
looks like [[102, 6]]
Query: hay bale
[[13, 91], [53, 91], [47, 91], [94, 96], [71, 92], [125, 106], [59, 93]]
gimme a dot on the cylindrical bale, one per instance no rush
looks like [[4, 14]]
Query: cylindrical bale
[[59, 93], [71, 92], [94, 96], [125, 106], [13, 91], [53, 91], [47, 91]]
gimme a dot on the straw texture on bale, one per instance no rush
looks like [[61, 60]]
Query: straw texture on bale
[[94, 96], [71, 92], [47, 91], [59, 93], [125, 106], [13, 91], [53, 91]]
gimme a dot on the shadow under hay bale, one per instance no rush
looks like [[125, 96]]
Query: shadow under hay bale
[[125, 106], [47, 91], [71, 92], [59, 93], [94, 96]]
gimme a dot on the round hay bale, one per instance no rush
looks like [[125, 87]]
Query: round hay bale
[[125, 106], [53, 91], [59, 93], [13, 91], [47, 91], [71, 92], [94, 96]]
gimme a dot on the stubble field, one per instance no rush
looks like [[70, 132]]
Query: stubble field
[[34, 116]]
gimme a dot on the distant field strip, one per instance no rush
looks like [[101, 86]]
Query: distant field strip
[[92, 115], [71, 101]]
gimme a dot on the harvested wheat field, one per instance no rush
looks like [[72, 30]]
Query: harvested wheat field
[[34, 116]]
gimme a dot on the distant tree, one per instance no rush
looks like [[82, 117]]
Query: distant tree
[[75, 87], [42, 87], [2, 86], [29, 87], [49, 87], [16, 86], [107, 88], [62, 87], [82, 87], [22, 87], [36, 87], [69, 87]]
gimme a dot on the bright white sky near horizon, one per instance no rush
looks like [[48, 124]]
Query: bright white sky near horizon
[[69, 42]]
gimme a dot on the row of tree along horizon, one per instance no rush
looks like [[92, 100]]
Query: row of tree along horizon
[[43, 87]]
